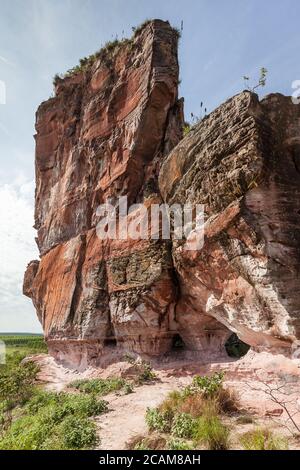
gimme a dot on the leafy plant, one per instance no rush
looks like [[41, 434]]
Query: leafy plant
[[99, 386], [157, 420], [142, 445], [261, 81], [128, 388], [16, 383], [183, 425], [178, 444], [44, 421], [186, 128], [146, 373], [78, 433], [56, 79], [208, 386]]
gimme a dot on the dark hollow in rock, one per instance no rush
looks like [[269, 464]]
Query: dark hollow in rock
[[236, 347], [177, 343]]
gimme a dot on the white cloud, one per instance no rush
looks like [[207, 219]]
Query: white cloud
[[17, 248]]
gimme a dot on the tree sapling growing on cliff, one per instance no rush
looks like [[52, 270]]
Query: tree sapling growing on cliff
[[261, 82]]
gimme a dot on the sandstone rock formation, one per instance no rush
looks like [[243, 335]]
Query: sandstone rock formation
[[102, 136], [242, 162], [113, 129]]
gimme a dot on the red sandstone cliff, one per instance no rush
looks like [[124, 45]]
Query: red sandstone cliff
[[242, 163], [104, 135], [110, 131]]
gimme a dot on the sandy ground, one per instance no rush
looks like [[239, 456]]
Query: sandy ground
[[249, 377]]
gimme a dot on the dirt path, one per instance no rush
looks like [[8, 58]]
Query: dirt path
[[127, 416]]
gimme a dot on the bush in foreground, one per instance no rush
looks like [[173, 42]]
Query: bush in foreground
[[212, 432], [54, 421], [262, 439]]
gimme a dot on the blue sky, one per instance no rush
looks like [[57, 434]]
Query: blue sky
[[222, 41]]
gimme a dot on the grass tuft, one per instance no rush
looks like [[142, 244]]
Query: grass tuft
[[262, 439]]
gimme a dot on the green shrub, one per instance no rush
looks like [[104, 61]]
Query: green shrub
[[262, 439], [183, 425], [99, 386], [208, 386], [128, 388], [36, 433], [78, 433], [186, 128], [178, 444], [58, 405], [47, 418], [146, 373], [26, 433], [16, 383], [32, 419], [159, 421]]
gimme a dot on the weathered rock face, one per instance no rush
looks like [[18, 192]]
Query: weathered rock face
[[112, 130], [242, 162], [102, 136]]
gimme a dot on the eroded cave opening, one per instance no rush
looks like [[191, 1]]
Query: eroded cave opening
[[235, 347], [110, 342], [177, 343]]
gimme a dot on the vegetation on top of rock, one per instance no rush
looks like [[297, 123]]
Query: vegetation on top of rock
[[195, 119], [261, 81], [106, 52], [137, 29]]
